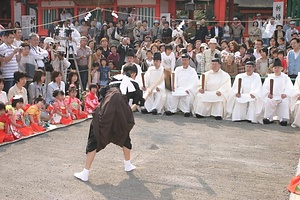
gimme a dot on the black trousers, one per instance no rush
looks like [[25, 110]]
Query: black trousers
[[92, 143]]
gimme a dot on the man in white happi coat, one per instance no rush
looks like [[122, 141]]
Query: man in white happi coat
[[295, 102], [185, 86], [154, 94], [277, 103], [245, 103], [211, 101]]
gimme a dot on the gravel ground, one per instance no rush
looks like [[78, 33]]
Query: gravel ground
[[176, 158]]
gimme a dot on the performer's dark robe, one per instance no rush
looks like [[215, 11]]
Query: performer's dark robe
[[112, 120]]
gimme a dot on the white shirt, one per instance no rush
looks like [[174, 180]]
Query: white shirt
[[216, 31], [39, 55], [168, 61]]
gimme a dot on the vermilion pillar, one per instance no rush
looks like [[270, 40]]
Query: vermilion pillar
[[12, 12], [172, 9], [220, 10], [115, 9], [157, 10], [40, 16]]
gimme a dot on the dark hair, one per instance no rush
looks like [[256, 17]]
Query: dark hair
[[265, 49], [297, 40], [54, 75], [99, 48], [93, 86], [110, 61], [282, 38], [7, 33], [144, 21], [2, 80], [255, 22], [2, 106], [149, 51], [113, 46], [166, 22], [37, 77], [15, 101], [96, 64], [57, 92], [224, 41], [130, 69], [71, 74], [18, 75], [38, 99], [280, 52], [260, 40], [25, 44], [73, 89]]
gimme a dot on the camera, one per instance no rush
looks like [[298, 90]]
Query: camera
[[68, 31]]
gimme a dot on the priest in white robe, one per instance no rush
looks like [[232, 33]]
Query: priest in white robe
[[246, 103], [185, 86], [277, 103], [211, 100], [154, 94], [295, 102]]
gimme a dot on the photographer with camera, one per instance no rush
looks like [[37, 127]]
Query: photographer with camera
[[68, 37], [59, 62], [40, 55]]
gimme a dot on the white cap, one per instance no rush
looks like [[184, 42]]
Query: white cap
[[61, 49], [213, 41], [48, 40]]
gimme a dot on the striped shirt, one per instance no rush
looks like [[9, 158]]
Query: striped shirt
[[8, 68]]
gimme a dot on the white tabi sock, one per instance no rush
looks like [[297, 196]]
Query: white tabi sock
[[128, 166], [83, 175]]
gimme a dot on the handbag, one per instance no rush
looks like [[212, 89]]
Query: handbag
[[29, 70]]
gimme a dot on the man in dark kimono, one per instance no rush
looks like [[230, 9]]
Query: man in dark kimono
[[112, 120]]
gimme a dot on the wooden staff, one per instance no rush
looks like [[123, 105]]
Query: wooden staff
[[173, 81], [271, 86], [89, 70], [143, 79], [203, 81], [239, 85]]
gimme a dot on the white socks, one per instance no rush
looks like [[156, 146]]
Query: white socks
[[83, 175], [128, 166]]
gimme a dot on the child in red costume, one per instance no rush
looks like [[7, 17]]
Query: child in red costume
[[74, 104], [34, 113], [4, 123], [91, 99], [60, 112], [18, 126]]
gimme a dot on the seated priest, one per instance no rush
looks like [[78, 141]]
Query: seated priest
[[154, 87], [245, 101], [212, 95], [276, 92], [184, 86]]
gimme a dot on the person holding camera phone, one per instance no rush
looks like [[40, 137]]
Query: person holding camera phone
[[39, 54], [27, 63], [59, 62], [12, 56]]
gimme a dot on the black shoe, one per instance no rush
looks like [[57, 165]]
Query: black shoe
[[283, 123], [199, 116], [267, 121], [187, 114], [144, 111], [154, 112], [218, 118], [169, 113]]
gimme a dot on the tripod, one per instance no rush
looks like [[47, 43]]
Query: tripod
[[68, 47]]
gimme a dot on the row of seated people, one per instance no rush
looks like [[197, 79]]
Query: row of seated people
[[19, 119]]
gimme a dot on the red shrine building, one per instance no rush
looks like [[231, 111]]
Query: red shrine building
[[45, 11]]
